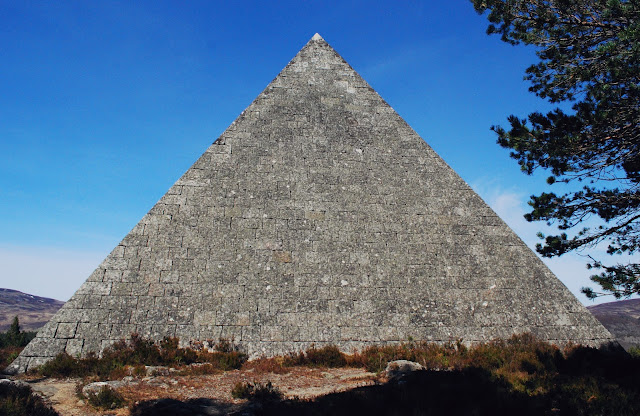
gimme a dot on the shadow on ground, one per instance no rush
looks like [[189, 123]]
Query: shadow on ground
[[174, 407], [471, 391]]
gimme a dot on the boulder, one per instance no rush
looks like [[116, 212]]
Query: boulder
[[398, 368]]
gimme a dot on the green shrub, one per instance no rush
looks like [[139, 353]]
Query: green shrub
[[14, 336], [232, 360], [224, 361], [12, 342], [634, 351], [63, 365], [137, 351]]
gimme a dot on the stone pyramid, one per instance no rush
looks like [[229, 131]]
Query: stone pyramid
[[319, 216]]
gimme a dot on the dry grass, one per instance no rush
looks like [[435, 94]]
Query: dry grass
[[8, 354], [118, 360], [18, 400], [520, 372], [274, 365]]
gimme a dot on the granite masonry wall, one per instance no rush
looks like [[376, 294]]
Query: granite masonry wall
[[319, 216]]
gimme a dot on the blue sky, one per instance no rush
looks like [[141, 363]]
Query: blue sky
[[105, 104]]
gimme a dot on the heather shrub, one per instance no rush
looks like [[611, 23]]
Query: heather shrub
[[106, 398], [19, 400], [429, 355], [256, 391], [275, 365], [225, 356], [231, 360], [170, 352], [519, 375], [241, 390], [139, 370], [521, 370], [137, 353], [223, 360], [327, 356], [63, 365], [225, 345], [375, 358], [8, 354]]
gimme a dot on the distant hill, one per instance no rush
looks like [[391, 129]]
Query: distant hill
[[32, 311], [622, 319]]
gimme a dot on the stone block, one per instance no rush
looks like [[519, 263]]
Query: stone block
[[66, 330]]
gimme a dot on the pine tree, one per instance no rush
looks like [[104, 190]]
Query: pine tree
[[13, 336], [589, 55]]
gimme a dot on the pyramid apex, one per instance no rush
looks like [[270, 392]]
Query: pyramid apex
[[317, 37]]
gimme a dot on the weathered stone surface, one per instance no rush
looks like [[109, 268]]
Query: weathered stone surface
[[94, 388], [319, 216], [18, 383], [398, 368]]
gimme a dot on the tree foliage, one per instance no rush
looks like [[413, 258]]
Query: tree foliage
[[14, 337], [590, 57]]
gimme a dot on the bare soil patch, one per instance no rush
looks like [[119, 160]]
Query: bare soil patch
[[299, 382]]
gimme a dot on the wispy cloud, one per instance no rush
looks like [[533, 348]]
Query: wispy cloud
[[391, 64], [402, 58]]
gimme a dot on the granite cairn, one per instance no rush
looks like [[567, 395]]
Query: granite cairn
[[318, 217]]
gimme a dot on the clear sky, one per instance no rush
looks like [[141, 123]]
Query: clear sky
[[104, 104]]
